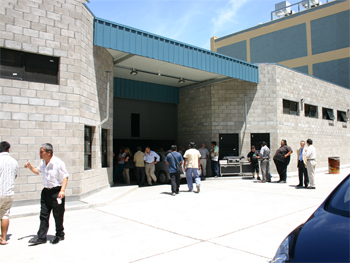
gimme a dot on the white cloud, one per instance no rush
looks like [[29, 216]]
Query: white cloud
[[227, 15]]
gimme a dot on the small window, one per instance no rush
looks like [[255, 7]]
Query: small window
[[290, 107], [28, 67], [135, 125], [327, 114], [87, 147], [341, 116], [104, 148], [311, 111]]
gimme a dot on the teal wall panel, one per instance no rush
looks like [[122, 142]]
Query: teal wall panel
[[284, 44], [335, 71], [237, 50], [330, 32], [131, 89]]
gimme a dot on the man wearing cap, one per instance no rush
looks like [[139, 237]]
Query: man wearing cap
[[55, 178], [192, 166]]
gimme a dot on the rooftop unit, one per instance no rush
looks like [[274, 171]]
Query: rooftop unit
[[283, 9]]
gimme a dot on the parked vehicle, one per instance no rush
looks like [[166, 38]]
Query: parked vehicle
[[325, 236], [162, 169]]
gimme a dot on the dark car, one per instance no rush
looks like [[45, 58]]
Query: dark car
[[325, 236]]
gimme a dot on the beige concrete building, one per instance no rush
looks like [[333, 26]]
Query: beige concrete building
[[55, 56], [211, 112]]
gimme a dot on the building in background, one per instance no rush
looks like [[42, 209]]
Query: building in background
[[315, 41], [58, 60]]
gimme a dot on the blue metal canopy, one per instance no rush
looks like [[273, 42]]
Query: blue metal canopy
[[129, 40]]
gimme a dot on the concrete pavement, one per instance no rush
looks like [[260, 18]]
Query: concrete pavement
[[231, 219]]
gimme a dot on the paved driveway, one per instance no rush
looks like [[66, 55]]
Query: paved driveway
[[230, 220]]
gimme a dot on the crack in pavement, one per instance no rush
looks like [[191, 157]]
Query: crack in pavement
[[199, 240]]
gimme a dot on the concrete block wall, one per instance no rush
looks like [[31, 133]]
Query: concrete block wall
[[34, 113], [220, 107], [331, 138]]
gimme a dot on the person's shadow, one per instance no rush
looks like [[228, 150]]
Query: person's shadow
[[50, 238]]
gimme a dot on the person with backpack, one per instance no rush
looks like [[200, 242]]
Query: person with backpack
[[173, 159]]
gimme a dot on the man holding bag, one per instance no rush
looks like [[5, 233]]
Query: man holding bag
[[172, 159]]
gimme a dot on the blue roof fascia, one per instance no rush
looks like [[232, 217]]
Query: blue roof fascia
[[138, 42]]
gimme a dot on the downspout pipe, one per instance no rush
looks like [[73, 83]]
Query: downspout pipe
[[106, 119], [245, 110]]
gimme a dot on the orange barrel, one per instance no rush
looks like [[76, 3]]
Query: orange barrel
[[334, 165]]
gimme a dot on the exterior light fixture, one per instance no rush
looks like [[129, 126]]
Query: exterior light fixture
[[181, 81], [133, 72]]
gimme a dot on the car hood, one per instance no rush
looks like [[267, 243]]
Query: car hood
[[325, 237]]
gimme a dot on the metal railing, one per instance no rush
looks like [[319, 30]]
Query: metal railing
[[294, 8]]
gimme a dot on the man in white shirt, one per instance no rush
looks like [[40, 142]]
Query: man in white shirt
[[8, 174], [150, 158], [310, 154], [204, 158], [55, 178], [192, 165]]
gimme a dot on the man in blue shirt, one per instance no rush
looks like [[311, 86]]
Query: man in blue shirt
[[150, 158], [174, 175]]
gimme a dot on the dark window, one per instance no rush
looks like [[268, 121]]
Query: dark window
[[341, 116], [257, 138], [135, 125], [290, 107], [228, 145], [28, 67], [87, 147], [311, 111], [104, 147], [327, 114]]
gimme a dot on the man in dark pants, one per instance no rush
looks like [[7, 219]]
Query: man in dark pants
[[55, 178], [282, 159], [139, 167], [174, 175], [301, 164], [214, 155]]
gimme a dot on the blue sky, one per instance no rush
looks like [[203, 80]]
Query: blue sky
[[189, 21]]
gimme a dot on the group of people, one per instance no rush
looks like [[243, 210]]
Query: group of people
[[306, 163], [143, 162], [55, 178]]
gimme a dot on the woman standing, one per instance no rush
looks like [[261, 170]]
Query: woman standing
[[128, 165]]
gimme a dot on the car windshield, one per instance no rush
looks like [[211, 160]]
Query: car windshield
[[339, 203]]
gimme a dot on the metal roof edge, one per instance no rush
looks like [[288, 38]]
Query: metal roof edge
[[178, 42]]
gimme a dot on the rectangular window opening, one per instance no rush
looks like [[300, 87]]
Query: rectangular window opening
[[311, 111], [104, 156], [87, 147], [327, 114], [341, 116], [28, 66], [290, 107], [135, 125]]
